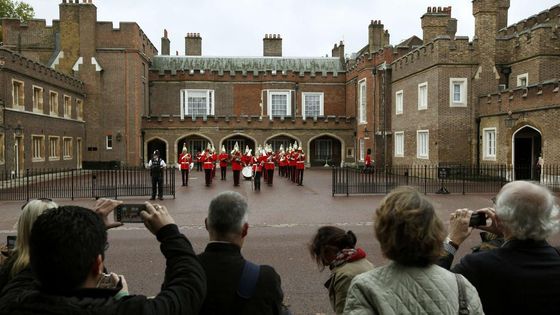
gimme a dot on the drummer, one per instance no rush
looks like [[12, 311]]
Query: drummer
[[257, 169], [236, 164], [185, 161]]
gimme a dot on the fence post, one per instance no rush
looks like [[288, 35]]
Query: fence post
[[425, 179], [27, 184], [333, 169], [173, 181], [72, 182], [347, 189], [463, 175]]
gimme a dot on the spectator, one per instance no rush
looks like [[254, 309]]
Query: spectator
[[525, 269], [334, 247], [411, 236], [19, 259], [224, 265], [67, 248]]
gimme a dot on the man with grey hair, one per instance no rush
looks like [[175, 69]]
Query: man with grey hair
[[523, 275], [235, 285]]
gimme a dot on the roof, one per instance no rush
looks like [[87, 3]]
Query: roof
[[247, 64]]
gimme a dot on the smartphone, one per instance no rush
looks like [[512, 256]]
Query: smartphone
[[478, 219], [11, 242], [129, 213]]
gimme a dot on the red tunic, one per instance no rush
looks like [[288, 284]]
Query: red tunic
[[206, 160], [184, 160], [257, 164], [368, 160], [223, 157], [300, 163], [236, 162]]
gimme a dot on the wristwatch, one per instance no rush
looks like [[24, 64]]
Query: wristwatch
[[449, 246]]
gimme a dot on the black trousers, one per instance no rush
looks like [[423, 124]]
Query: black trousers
[[208, 176], [223, 171], [185, 177], [236, 178], [157, 186], [299, 177], [257, 181], [270, 176]]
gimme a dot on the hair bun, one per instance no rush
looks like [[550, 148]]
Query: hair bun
[[351, 238]]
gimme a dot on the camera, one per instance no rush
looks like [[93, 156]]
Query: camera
[[129, 213], [478, 219], [11, 242]]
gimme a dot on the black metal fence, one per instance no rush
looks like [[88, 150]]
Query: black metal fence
[[80, 183], [439, 179]]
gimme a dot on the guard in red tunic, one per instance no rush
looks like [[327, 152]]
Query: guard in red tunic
[[269, 165], [185, 161], [368, 166], [198, 161], [300, 166], [214, 161], [207, 164], [294, 155], [236, 164], [223, 158], [258, 163]]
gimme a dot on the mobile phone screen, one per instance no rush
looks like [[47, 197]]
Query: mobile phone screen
[[129, 213]]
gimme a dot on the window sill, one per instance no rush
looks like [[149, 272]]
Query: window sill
[[67, 158], [489, 158], [34, 160], [423, 157], [54, 158]]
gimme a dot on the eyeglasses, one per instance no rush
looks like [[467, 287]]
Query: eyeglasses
[[40, 199]]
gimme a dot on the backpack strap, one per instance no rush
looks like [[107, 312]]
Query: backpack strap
[[248, 281], [463, 304]]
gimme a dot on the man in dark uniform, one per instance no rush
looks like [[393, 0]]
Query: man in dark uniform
[[223, 263], [156, 166]]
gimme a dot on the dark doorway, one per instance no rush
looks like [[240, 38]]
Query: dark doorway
[[242, 141], [194, 143], [278, 141], [157, 144], [527, 147], [325, 150]]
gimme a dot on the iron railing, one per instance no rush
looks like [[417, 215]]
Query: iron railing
[[80, 183], [439, 179]]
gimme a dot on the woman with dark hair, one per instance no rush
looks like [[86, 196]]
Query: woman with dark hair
[[334, 247], [411, 236]]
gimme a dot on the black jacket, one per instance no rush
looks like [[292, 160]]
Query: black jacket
[[182, 292], [223, 264], [521, 277]]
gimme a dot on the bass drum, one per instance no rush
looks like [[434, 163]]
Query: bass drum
[[247, 172]]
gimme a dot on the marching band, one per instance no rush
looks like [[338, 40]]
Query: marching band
[[290, 163]]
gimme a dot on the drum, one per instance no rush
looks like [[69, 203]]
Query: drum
[[247, 172]]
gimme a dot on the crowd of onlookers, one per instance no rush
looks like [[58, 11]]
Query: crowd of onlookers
[[57, 264]]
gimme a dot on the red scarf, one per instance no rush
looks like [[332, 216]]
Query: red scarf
[[347, 255]]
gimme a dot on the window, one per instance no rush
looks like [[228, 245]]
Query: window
[[312, 104], [79, 109], [54, 148], [458, 92], [38, 148], [399, 143], [109, 142], [53, 103], [399, 102], [362, 99], [523, 80], [18, 96], [2, 149], [37, 99], [422, 144], [197, 103], [67, 153], [67, 106], [279, 104], [423, 96], [489, 143], [362, 147]]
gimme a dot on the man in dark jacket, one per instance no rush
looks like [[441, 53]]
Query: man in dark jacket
[[67, 248], [222, 260], [523, 275]]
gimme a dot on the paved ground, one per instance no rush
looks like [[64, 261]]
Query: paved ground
[[283, 218]]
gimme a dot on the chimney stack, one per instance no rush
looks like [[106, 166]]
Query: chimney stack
[[378, 37], [437, 21], [193, 44], [338, 51], [272, 45], [165, 44]]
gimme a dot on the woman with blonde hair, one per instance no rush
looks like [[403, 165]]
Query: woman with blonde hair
[[19, 259], [411, 236]]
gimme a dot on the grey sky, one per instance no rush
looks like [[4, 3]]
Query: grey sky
[[307, 27]]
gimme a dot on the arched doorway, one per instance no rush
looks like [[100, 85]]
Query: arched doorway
[[325, 149], [241, 140], [527, 145], [195, 144], [161, 146], [281, 140]]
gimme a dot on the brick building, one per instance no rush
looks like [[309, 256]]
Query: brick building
[[492, 100], [42, 119]]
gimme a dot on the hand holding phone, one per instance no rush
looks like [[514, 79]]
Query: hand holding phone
[[11, 242], [129, 213], [478, 219]]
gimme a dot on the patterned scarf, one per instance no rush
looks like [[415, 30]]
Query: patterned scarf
[[347, 255]]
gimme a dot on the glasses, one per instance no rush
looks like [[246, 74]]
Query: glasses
[[40, 199]]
